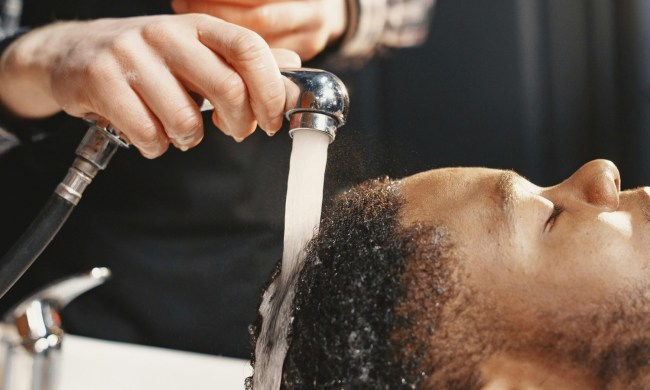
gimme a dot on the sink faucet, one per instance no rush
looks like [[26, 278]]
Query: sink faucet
[[32, 334]]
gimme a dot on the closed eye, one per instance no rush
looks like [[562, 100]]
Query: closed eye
[[557, 210]]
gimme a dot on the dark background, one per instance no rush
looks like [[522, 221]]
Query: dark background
[[538, 86]]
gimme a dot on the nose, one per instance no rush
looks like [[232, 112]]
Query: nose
[[598, 183]]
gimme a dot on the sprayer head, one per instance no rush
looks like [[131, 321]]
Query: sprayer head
[[321, 104]]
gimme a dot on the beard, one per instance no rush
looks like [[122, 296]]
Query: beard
[[611, 341], [607, 342]]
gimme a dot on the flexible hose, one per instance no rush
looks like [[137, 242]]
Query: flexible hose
[[33, 241], [93, 154]]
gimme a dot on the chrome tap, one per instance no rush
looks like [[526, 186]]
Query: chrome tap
[[32, 334], [321, 102]]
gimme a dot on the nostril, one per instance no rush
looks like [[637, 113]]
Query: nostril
[[598, 183], [604, 191]]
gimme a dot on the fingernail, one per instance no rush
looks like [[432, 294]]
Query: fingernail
[[270, 133], [238, 139], [91, 117], [184, 148], [147, 155]]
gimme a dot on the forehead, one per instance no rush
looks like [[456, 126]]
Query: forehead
[[442, 195]]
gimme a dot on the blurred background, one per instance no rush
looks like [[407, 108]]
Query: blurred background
[[538, 86]]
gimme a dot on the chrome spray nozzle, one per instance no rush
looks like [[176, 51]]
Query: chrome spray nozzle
[[321, 101]]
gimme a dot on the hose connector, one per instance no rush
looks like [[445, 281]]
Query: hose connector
[[322, 102], [93, 154]]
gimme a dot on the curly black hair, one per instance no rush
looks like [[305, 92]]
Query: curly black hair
[[379, 305], [348, 327]]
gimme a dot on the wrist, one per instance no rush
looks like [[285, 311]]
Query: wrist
[[25, 72], [377, 25]]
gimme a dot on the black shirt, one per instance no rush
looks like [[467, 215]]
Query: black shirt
[[190, 237]]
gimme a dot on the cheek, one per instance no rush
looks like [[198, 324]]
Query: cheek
[[592, 263], [618, 223]]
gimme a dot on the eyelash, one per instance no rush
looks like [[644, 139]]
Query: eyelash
[[557, 210]]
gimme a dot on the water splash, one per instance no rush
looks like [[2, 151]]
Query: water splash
[[302, 216]]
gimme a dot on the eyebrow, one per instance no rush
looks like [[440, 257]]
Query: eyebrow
[[505, 190]]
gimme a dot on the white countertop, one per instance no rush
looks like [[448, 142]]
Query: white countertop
[[96, 364]]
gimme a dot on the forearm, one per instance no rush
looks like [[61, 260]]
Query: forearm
[[378, 24], [8, 121]]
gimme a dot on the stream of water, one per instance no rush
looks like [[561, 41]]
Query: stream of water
[[302, 216]]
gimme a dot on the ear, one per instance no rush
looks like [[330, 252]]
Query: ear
[[505, 372]]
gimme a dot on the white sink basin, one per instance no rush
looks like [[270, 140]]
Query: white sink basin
[[102, 365]]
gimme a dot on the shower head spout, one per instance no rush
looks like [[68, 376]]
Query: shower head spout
[[321, 104]]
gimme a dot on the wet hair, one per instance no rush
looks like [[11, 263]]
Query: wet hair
[[348, 329], [379, 305]]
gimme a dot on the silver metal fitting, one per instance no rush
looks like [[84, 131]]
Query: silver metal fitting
[[32, 334], [99, 145], [321, 104], [74, 184], [93, 154]]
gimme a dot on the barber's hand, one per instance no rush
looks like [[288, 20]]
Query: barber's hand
[[304, 26], [143, 75]]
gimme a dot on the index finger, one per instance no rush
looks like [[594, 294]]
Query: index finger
[[252, 58]]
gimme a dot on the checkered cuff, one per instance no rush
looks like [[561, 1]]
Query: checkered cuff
[[378, 24], [7, 121]]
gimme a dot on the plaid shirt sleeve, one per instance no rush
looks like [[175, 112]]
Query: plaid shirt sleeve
[[10, 11], [377, 25], [8, 140]]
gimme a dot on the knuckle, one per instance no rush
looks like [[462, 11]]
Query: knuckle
[[159, 31], [185, 122], [231, 89], [247, 46], [100, 70], [147, 135], [124, 46]]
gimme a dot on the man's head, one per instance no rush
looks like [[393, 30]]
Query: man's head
[[471, 277]]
